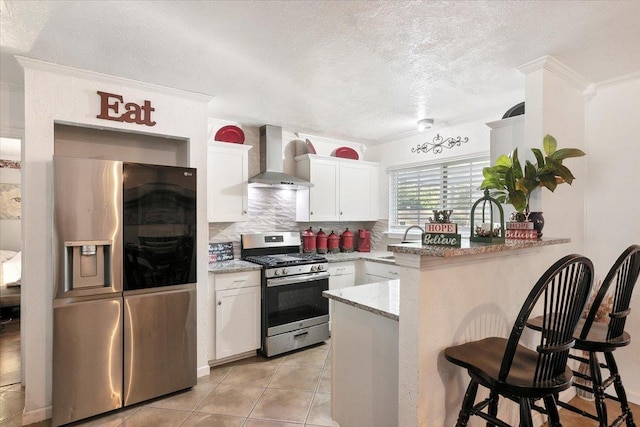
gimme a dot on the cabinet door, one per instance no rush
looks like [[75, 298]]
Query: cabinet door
[[323, 196], [358, 191], [377, 272], [237, 321], [227, 179], [342, 274]]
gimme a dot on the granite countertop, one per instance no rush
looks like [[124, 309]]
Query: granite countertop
[[382, 298], [232, 266], [472, 248], [384, 257]]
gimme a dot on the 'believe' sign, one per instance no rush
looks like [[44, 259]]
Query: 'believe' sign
[[110, 104]]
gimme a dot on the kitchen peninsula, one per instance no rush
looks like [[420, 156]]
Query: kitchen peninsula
[[445, 296]]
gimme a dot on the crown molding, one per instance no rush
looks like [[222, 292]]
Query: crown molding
[[505, 122], [36, 64], [551, 64], [591, 91]]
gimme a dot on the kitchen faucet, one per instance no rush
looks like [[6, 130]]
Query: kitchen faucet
[[404, 238]]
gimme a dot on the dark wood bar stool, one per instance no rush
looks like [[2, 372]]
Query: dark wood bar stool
[[509, 369], [605, 337]]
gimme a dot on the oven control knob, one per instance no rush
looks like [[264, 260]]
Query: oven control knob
[[320, 267], [277, 272], [285, 271], [314, 268]]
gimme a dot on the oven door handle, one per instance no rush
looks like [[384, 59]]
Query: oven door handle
[[296, 279]]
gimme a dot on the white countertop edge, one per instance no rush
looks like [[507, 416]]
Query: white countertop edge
[[382, 298]]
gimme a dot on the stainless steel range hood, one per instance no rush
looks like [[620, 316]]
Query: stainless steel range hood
[[271, 169]]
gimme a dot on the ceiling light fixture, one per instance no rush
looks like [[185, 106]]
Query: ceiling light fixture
[[424, 124]]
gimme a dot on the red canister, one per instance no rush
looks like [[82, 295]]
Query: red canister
[[333, 243], [321, 242], [308, 241], [346, 241]]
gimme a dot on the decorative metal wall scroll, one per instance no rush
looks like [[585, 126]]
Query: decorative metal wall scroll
[[439, 143]]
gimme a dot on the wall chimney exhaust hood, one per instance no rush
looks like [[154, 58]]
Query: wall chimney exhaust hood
[[271, 167]]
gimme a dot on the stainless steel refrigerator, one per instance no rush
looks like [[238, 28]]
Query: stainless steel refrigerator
[[124, 308]]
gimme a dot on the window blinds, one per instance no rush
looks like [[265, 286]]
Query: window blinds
[[416, 191]]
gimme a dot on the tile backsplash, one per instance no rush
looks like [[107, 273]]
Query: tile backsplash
[[275, 210]]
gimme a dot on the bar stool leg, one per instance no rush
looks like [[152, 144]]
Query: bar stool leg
[[552, 410], [493, 406], [467, 404], [598, 390], [525, 412], [617, 383]]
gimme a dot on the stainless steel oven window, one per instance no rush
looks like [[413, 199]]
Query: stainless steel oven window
[[295, 302]]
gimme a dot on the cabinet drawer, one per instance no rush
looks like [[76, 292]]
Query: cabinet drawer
[[242, 279], [388, 271], [342, 268]]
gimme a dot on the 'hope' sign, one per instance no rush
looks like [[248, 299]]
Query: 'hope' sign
[[110, 104]]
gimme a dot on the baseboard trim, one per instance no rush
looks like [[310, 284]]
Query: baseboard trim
[[240, 356], [36, 415], [203, 371]]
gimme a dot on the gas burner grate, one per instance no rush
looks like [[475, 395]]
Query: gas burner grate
[[286, 259]]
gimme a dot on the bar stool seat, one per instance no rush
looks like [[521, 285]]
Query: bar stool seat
[[512, 370], [483, 359]]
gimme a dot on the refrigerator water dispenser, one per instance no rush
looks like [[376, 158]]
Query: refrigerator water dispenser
[[87, 264]]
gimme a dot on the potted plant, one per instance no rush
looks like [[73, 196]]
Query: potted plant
[[511, 184]]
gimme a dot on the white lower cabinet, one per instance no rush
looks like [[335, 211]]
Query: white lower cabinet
[[237, 308], [378, 272], [341, 275]]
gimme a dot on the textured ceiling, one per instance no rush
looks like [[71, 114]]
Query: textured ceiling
[[361, 70]]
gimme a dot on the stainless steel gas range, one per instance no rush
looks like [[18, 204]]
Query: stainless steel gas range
[[294, 312]]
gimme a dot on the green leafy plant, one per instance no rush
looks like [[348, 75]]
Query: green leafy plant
[[513, 185]]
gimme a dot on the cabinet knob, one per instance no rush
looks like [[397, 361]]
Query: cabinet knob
[[244, 212], [311, 213], [219, 302], [340, 212]]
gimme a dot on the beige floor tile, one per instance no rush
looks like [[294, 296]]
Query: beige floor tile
[[290, 377], [255, 422], [112, 419], [216, 375], [198, 419], [250, 375], [187, 400], [11, 403], [325, 381], [313, 357], [155, 417], [283, 405], [257, 360], [14, 420], [320, 413], [232, 400]]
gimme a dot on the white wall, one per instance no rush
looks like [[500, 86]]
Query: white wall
[[66, 95], [399, 152], [612, 204], [11, 110]]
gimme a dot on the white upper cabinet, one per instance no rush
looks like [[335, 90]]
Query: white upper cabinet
[[343, 189], [358, 191], [227, 180]]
